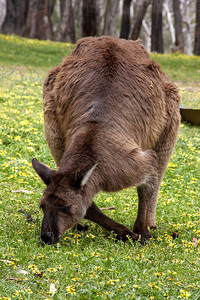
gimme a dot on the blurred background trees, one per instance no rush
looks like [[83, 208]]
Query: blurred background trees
[[163, 25]]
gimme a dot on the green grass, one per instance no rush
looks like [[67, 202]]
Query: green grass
[[180, 67], [19, 51], [87, 265], [184, 70]]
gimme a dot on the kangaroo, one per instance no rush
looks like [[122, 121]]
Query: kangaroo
[[111, 120]]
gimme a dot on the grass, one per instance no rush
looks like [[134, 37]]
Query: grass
[[184, 70], [88, 265], [19, 51]]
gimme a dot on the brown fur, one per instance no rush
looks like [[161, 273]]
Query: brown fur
[[107, 104]]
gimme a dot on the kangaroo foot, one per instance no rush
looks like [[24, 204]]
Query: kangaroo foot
[[143, 231]]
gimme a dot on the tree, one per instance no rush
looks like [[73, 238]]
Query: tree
[[178, 26], [78, 18], [197, 29], [3, 12], [67, 23], [14, 16], [110, 17], [101, 4], [156, 27], [89, 18], [125, 24], [187, 22], [147, 36], [140, 9], [170, 22], [38, 21]]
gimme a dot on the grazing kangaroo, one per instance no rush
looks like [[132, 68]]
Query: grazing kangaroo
[[111, 119]]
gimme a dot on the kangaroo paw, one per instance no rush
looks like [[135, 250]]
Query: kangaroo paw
[[80, 227], [128, 234]]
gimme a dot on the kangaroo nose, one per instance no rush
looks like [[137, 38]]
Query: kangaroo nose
[[47, 237]]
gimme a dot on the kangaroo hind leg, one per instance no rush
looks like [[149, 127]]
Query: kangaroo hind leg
[[148, 192]]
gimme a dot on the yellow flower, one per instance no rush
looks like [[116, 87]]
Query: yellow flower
[[139, 256], [159, 274], [17, 138], [153, 285], [36, 271], [136, 286], [25, 122], [31, 149], [33, 267], [75, 279], [112, 281], [3, 152], [184, 294], [51, 270], [172, 245], [71, 289], [29, 291], [171, 272], [91, 236]]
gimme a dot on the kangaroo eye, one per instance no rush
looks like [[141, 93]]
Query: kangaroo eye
[[66, 209]]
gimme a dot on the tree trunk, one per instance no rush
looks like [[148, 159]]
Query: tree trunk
[[125, 26], [15, 17], [67, 23], [89, 18], [178, 26], [170, 22], [3, 12], [38, 21], [101, 4], [140, 9], [78, 18], [110, 17], [187, 22], [197, 29], [147, 36], [156, 26]]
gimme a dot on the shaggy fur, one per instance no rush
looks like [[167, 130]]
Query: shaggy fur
[[107, 104]]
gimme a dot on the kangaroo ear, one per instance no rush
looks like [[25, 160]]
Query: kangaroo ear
[[87, 175], [43, 171], [79, 179]]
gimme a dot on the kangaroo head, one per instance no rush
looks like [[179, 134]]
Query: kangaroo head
[[64, 202]]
